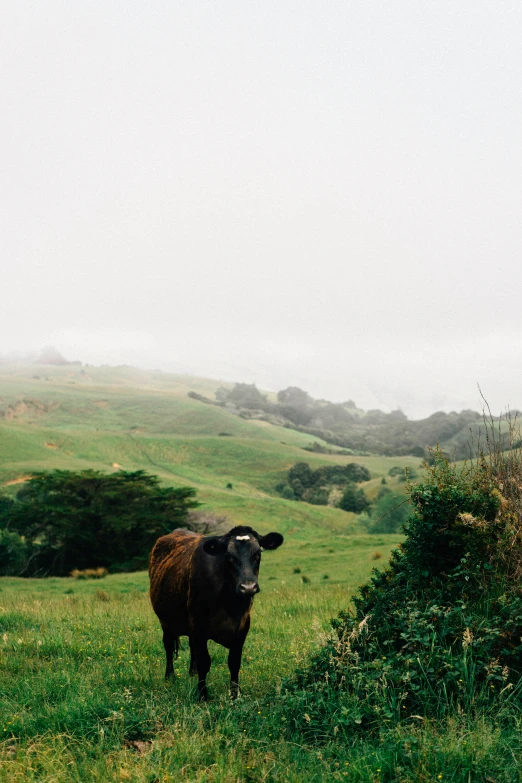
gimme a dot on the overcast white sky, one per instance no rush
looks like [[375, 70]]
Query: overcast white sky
[[325, 194]]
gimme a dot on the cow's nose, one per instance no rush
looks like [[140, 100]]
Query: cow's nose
[[249, 588]]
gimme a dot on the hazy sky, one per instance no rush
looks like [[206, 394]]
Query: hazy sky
[[325, 194]]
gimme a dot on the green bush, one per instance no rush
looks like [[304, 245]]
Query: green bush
[[13, 553], [288, 493], [89, 520], [301, 472], [317, 496], [439, 632], [354, 499], [6, 510]]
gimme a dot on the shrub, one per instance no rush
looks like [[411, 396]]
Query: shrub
[[317, 496], [13, 553], [301, 472], [297, 488], [89, 573], [286, 492], [353, 499], [6, 510], [439, 632], [355, 472]]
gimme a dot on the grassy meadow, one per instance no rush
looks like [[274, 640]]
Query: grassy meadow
[[84, 699], [82, 676], [82, 691]]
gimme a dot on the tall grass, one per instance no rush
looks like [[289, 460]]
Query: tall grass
[[83, 696]]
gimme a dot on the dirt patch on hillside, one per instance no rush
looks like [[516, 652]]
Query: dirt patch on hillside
[[22, 408], [20, 480], [52, 445]]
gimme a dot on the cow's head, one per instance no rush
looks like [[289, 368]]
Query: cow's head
[[240, 549]]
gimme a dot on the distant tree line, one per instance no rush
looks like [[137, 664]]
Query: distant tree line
[[64, 520], [337, 485], [328, 484], [347, 427]]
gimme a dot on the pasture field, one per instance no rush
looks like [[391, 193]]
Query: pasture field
[[82, 695], [82, 675]]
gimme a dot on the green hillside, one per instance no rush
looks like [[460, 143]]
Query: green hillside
[[75, 417], [83, 696]]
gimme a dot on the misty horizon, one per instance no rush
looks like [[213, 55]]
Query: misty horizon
[[298, 194], [51, 356]]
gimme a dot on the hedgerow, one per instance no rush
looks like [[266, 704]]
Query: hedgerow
[[439, 632]]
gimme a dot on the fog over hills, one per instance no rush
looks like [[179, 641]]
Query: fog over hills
[[269, 374], [323, 195], [343, 425]]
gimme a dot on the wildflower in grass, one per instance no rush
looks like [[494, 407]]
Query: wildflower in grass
[[467, 639]]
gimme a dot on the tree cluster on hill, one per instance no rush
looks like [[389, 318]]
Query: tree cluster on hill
[[63, 520], [345, 426], [328, 485], [336, 485]]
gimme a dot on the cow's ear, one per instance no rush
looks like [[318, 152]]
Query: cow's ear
[[271, 540], [215, 545]]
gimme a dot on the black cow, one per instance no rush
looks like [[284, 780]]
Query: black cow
[[203, 588]]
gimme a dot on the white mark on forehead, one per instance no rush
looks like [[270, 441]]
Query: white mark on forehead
[[242, 538]]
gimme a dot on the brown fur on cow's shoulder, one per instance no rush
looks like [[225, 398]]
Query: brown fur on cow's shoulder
[[169, 571]]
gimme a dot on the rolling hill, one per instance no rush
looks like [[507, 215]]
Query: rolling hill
[[109, 418]]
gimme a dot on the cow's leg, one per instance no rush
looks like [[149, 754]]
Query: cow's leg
[[203, 661], [171, 644], [193, 664], [234, 663]]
